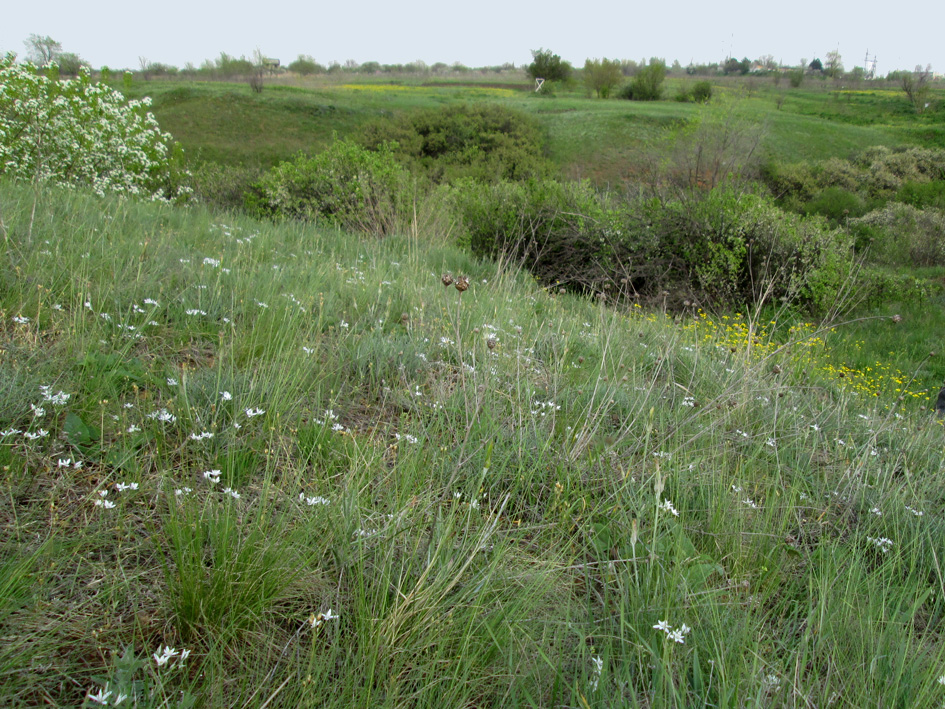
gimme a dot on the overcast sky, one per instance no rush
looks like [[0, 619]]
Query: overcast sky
[[485, 32]]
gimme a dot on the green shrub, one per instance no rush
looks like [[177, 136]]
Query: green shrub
[[735, 248], [790, 182], [922, 194], [346, 185], [564, 233], [484, 141], [727, 248], [223, 186], [701, 91], [836, 204], [901, 235], [836, 172], [877, 285]]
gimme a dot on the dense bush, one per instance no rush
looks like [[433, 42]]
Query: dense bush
[[223, 186], [701, 91], [647, 85], [564, 233], [836, 204], [727, 248], [738, 248], [346, 185], [922, 194], [901, 235], [876, 175], [484, 141], [76, 132]]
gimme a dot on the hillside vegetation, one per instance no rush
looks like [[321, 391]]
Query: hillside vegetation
[[269, 464], [375, 406]]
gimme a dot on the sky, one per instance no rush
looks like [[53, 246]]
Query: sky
[[485, 32]]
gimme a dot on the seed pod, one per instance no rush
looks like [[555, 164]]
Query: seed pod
[[447, 279], [491, 343], [462, 283]]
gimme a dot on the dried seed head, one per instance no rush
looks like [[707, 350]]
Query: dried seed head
[[897, 318], [491, 343], [404, 318], [776, 369], [447, 279], [462, 283]]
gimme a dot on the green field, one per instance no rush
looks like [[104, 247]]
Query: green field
[[602, 140]]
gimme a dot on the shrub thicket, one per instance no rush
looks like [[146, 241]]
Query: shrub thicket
[[484, 141], [836, 204], [566, 234], [726, 247], [346, 185], [877, 173], [902, 235]]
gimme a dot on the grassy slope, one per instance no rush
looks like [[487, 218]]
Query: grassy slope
[[588, 137], [500, 521]]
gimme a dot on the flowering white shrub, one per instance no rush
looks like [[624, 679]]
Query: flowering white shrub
[[76, 132]]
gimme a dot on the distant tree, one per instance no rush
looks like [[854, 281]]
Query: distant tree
[[916, 85], [258, 72], [42, 50], [834, 66], [305, 65], [548, 66], [767, 62], [70, 63], [816, 65], [229, 67], [733, 66], [647, 85], [602, 76]]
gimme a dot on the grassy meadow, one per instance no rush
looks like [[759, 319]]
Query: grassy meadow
[[280, 465], [601, 140]]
